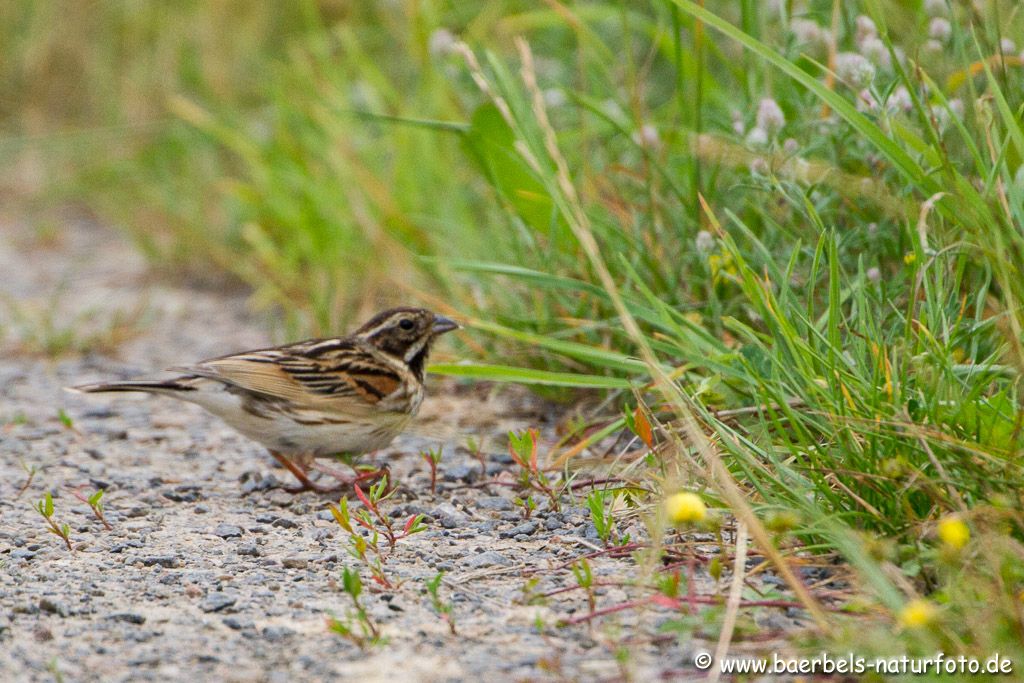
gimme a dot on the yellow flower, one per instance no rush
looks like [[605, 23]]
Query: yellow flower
[[953, 532], [685, 507], [909, 258], [918, 613]]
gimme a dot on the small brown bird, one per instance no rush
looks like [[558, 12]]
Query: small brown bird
[[316, 398]]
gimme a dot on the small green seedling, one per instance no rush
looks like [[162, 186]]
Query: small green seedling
[[445, 610], [476, 450], [63, 531], [585, 579], [528, 505], [95, 503], [31, 472], [433, 458], [357, 625], [523, 449], [373, 519], [65, 419], [600, 504]]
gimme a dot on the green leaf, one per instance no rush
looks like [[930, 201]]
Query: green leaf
[[351, 582], [492, 145], [48, 505], [508, 373]]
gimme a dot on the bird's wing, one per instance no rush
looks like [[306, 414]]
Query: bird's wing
[[339, 378]]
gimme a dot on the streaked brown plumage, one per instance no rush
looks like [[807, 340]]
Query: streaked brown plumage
[[315, 398]]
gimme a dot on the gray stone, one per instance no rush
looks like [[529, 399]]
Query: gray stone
[[168, 561], [296, 562], [488, 558], [460, 472], [277, 633], [128, 617], [237, 624], [524, 529], [54, 607], [496, 503], [228, 531], [215, 602]]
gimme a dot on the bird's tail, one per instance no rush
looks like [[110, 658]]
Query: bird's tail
[[151, 386]]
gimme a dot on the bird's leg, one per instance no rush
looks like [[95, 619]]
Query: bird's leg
[[358, 477], [307, 483]]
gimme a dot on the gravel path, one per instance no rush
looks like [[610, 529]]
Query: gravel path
[[213, 573]]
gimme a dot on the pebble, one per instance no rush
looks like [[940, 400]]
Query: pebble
[[488, 558], [54, 607], [277, 633], [236, 624], [460, 472], [128, 617], [137, 511], [228, 531], [215, 602], [524, 529], [19, 553], [167, 561], [295, 562], [248, 549], [285, 523], [496, 503]]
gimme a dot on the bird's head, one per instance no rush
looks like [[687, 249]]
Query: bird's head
[[406, 333]]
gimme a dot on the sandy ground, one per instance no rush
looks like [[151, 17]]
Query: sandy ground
[[213, 572]]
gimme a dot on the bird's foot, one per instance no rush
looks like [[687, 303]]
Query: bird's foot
[[355, 479], [305, 483]]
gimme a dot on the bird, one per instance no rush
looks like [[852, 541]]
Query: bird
[[316, 398]]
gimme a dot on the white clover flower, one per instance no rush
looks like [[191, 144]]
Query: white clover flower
[[1007, 46], [874, 274], [866, 101], [865, 28], [932, 46], [940, 29], [875, 50], [807, 32], [737, 123], [942, 117], [935, 8], [441, 42], [770, 118], [872, 229], [900, 100], [704, 242], [555, 97], [647, 136], [757, 137], [790, 146], [854, 69], [759, 166], [956, 105]]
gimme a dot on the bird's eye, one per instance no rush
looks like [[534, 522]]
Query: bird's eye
[[405, 324]]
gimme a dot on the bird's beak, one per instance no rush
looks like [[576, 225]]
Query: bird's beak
[[443, 324]]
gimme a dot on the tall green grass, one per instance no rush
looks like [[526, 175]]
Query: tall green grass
[[834, 291]]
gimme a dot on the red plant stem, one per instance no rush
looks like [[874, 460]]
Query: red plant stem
[[607, 551], [691, 588], [696, 599]]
